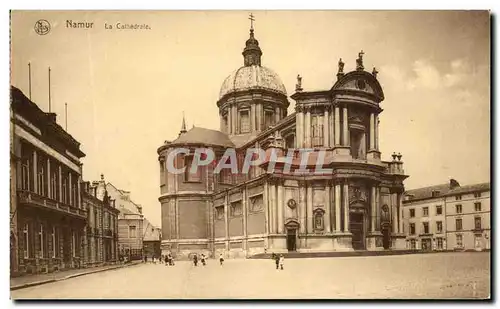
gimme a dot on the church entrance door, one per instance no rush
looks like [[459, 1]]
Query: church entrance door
[[386, 236], [357, 230], [291, 239]]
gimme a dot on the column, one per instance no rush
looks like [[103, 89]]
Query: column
[[302, 207], [272, 212], [258, 112], [245, 215], [400, 212], [326, 128], [70, 189], [60, 184], [331, 133], [226, 220], [377, 209], [373, 208], [346, 127], [327, 208], [229, 121], [49, 187], [298, 129], [266, 210], [309, 207], [235, 120], [35, 172], [394, 224], [376, 132], [372, 131], [346, 207], [337, 125], [78, 188], [279, 206], [338, 202], [177, 226], [252, 118], [307, 139], [277, 114]]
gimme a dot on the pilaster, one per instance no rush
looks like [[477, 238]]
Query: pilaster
[[346, 206], [309, 207], [338, 213], [279, 207], [328, 206]]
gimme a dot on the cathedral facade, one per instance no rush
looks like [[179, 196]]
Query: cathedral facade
[[357, 205]]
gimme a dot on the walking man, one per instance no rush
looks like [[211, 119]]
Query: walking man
[[282, 261]]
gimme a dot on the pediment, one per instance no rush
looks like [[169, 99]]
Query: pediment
[[360, 81]]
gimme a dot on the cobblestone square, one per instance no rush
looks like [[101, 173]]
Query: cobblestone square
[[440, 275]]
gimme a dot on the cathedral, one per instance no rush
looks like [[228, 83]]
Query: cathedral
[[356, 206]]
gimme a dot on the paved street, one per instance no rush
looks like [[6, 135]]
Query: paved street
[[443, 275]]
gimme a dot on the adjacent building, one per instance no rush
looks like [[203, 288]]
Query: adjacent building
[[130, 222], [152, 239], [448, 217], [47, 216], [102, 224], [355, 206]]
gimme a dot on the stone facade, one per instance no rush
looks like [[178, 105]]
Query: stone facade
[[356, 205]]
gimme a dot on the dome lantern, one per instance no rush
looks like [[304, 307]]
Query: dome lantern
[[252, 53]]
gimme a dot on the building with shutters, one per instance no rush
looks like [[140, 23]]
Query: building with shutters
[[356, 206]]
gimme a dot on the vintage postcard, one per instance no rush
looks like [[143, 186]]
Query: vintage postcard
[[250, 155]]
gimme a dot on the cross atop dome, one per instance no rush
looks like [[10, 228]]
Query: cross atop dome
[[252, 19]]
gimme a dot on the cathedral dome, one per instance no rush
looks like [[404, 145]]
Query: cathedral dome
[[252, 77]]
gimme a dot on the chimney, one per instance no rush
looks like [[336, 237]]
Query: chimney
[[453, 184], [52, 116]]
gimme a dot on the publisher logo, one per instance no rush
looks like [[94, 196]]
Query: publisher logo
[[42, 27]]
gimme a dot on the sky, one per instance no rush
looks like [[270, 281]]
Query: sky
[[127, 90]]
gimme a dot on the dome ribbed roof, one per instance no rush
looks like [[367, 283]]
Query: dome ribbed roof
[[252, 77], [202, 136]]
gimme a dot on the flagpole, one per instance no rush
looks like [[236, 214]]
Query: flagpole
[[66, 116], [49, 91], [29, 78]]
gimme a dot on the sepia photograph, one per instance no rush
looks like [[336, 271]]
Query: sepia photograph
[[250, 154]]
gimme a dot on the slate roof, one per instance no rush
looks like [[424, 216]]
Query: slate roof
[[426, 192], [204, 137], [470, 188]]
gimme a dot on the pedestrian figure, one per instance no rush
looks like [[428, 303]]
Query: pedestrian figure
[[171, 259], [277, 260], [203, 259], [282, 261], [145, 259], [221, 259], [195, 260]]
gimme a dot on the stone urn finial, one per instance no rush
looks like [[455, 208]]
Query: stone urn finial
[[399, 156], [394, 155]]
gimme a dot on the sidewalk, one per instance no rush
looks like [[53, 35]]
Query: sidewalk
[[32, 280]]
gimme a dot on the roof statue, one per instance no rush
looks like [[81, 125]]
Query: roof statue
[[359, 61], [375, 72], [340, 72], [298, 86]]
